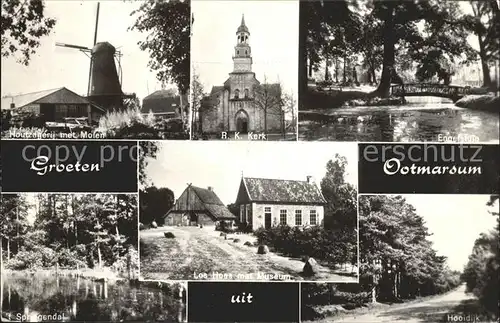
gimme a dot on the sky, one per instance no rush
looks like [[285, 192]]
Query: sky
[[220, 164], [52, 67], [274, 35], [455, 221]]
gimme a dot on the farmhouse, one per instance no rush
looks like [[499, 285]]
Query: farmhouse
[[198, 206], [53, 105], [162, 103], [270, 202]]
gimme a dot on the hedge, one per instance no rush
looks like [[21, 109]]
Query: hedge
[[336, 247]]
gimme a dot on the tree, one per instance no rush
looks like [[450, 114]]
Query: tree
[[289, 108], [197, 95], [341, 208], [169, 28], [155, 203], [482, 271], [147, 149], [268, 99], [23, 24], [485, 24], [399, 28], [397, 258]]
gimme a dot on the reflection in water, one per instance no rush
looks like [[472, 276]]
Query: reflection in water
[[30, 297], [416, 121]]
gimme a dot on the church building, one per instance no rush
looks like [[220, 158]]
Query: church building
[[242, 103]]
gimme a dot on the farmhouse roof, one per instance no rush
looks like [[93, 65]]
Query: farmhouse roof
[[285, 191], [212, 204], [162, 101], [53, 96]]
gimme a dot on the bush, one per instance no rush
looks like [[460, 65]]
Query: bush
[[33, 259], [128, 123], [224, 226], [27, 119], [332, 246]]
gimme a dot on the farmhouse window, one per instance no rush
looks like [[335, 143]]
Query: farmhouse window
[[313, 219], [242, 213], [249, 213], [283, 217], [298, 217]]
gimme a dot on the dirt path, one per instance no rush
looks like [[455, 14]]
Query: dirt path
[[432, 309], [203, 254]]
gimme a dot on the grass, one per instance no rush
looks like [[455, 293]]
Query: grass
[[194, 251], [479, 102]]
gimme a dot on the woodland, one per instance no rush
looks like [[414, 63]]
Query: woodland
[[399, 263], [397, 41], [69, 231]]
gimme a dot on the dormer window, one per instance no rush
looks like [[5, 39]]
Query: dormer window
[[237, 94]]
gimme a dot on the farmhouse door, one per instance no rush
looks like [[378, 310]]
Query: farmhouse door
[[267, 220]]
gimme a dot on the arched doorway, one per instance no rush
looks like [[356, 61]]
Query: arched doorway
[[241, 121]]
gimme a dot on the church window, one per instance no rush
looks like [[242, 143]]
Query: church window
[[237, 94], [246, 93], [237, 52]]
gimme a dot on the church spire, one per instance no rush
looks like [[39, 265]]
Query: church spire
[[242, 53]]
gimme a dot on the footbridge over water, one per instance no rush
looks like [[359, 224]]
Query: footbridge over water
[[452, 92]]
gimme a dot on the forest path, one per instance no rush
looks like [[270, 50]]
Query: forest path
[[195, 251], [430, 309]]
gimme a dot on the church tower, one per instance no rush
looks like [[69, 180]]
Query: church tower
[[242, 55]]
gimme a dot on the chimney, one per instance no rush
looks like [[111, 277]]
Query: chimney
[[210, 188], [310, 180]]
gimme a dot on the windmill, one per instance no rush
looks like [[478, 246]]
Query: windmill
[[104, 84]]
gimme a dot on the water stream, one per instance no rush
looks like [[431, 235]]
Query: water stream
[[37, 298], [421, 119]]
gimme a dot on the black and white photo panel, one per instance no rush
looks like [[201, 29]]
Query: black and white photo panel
[[423, 258], [96, 69], [390, 71], [74, 257], [249, 211], [244, 70]]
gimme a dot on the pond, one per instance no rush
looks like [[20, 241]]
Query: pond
[[37, 298], [421, 119]]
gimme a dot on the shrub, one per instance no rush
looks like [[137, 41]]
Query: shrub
[[27, 119], [332, 246], [128, 123]]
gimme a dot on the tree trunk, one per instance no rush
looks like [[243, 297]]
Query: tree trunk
[[326, 71], [484, 62], [8, 249], [17, 227], [99, 256], [344, 78], [1, 262], [374, 294], [389, 51], [336, 70], [181, 103]]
